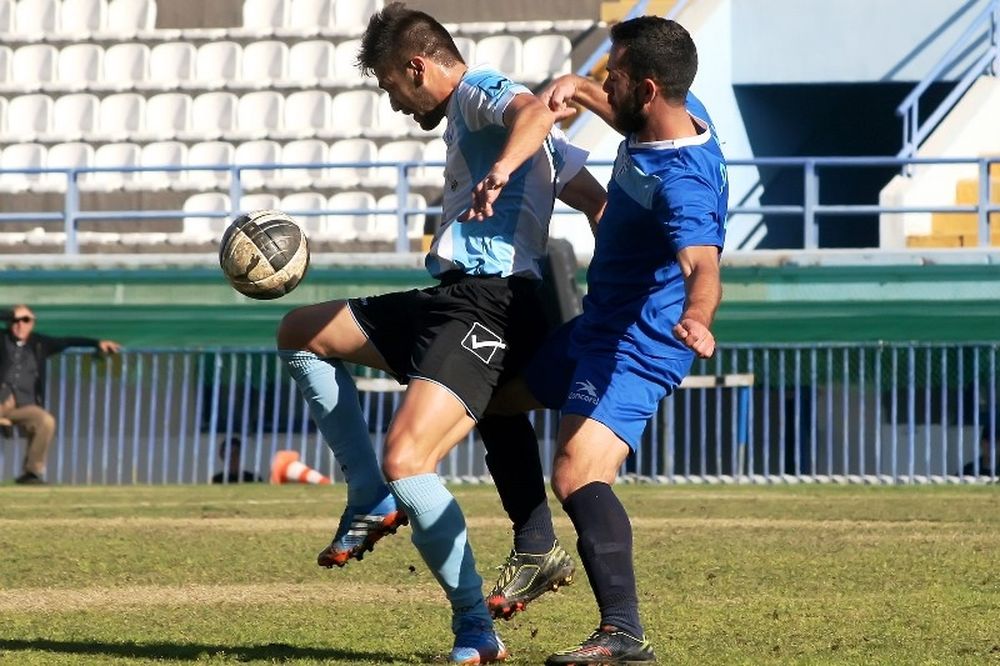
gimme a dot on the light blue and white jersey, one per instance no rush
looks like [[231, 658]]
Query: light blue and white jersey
[[512, 241]]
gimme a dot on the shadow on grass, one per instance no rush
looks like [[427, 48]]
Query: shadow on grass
[[197, 651]]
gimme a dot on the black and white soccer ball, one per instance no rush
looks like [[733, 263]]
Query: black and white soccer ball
[[264, 254]]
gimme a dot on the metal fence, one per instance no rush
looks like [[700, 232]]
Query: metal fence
[[871, 413]]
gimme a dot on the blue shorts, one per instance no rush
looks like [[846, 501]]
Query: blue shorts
[[620, 388]]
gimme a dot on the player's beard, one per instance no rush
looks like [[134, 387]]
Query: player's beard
[[433, 118], [628, 114]]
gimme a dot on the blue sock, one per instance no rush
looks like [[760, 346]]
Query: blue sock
[[333, 402], [440, 535]]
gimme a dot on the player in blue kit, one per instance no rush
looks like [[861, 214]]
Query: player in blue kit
[[653, 289], [453, 343]]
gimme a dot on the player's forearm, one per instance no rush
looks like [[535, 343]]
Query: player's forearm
[[591, 96], [703, 287], [528, 129]]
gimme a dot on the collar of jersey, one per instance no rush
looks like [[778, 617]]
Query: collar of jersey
[[672, 144]]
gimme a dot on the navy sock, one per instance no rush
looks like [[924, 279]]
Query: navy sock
[[605, 546], [513, 459]]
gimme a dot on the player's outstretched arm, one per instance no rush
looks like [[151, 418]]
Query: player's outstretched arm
[[575, 88], [529, 123], [703, 285], [585, 194]]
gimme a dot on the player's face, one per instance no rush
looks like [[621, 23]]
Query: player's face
[[624, 95], [22, 323], [409, 95]]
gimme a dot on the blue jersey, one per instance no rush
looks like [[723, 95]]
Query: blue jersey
[[513, 240], [663, 196]]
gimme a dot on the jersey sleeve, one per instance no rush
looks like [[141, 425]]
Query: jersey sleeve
[[688, 207], [568, 158], [483, 97]]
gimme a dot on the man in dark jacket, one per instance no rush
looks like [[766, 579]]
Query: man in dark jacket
[[22, 383]]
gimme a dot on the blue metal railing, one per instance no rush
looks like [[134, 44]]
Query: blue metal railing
[[914, 131], [827, 412], [810, 210]]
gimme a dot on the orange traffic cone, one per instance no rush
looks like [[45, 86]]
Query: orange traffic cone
[[286, 468]]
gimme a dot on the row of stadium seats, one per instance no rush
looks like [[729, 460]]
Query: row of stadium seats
[[73, 20], [258, 65], [216, 115], [212, 153]]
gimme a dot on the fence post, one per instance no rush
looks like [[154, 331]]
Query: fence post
[[235, 190], [984, 202], [811, 200], [70, 211], [402, 200]]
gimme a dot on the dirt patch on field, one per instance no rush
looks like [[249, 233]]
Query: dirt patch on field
[[32, 600]]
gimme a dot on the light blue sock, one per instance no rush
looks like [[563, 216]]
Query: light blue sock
[[440, 535], [333, 402]]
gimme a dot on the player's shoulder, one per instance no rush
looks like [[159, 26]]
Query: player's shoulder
[[488, 81]]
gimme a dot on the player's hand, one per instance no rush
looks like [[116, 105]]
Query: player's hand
[[557, 96], [695, 336], [484, 195], [108, 346]]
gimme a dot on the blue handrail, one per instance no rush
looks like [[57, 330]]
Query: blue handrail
[[914, 132]]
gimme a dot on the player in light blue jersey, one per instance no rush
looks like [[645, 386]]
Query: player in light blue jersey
[[454, 343], [653, 289]]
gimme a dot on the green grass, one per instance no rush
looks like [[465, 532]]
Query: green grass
[[727, 575]]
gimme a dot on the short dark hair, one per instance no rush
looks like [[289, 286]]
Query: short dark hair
[[398, 33], [659, 49]]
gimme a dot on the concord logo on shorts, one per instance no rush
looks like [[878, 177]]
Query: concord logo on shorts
[[483, 342], [585, 391]]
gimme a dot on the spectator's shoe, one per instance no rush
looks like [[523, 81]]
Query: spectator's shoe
[[606, 645], [476, 642], [29, 479], [359, 529], [526, 576]]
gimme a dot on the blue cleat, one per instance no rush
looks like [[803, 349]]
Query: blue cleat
[[476, 642], [359, 529]]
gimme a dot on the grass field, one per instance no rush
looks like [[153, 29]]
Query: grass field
[[727, 575]]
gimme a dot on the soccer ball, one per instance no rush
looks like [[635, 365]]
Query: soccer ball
[[264, 254]]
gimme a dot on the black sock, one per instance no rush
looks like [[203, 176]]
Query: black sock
[[513, 459], [605, 546]]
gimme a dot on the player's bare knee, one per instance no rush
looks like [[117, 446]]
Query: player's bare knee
[[289, 334], [400, 462]]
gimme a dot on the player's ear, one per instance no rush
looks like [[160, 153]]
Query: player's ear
[[417, 67], [648, 90]]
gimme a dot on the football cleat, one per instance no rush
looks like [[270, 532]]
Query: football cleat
[[476, 642], [526, 576], [360, 529], [607, 645]]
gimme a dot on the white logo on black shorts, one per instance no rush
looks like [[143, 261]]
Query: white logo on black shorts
[[482, 342]]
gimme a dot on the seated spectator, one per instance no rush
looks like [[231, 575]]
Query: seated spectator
[[22, 383], [986, 465], [229, 452]]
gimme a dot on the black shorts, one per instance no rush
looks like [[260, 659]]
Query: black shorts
[[469, 334]]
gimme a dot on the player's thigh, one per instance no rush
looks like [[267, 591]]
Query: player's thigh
[[587, 451], [430, 421], [329, 330]]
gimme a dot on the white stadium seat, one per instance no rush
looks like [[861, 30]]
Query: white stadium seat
[[207, 153], [264, 63], [261, 18], [386, 225], [257, 152], [305, 18], [6, 60], [213, 114], [302, 151], [309, 63], [350, 18], [200, 228], [35, 20], [480, 28], [3, 113], [391, 123], [396, 151], [29, 117], [64, 156], [356, 113], [167, 115], [113, 155], [501, 52], [73, 117], [300, 204], [543, 57], [21, 156], [351, 150], [345, 69], [170, 64], [155, 154], [6, 16], [347, 227], [249, 202], [120, 117], [259, 114], [216, 64], [78, 67], [435, 150], [307, 112], [81, 18], [125, 67], [467, 48], [129, 18], [533, 27], [33, 67]]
